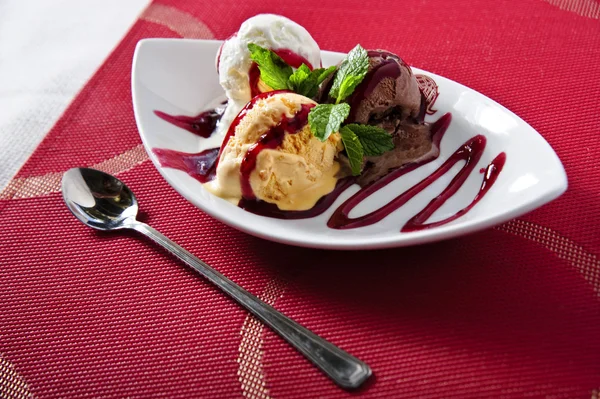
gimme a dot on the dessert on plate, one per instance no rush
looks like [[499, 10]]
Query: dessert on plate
[[295, 134]]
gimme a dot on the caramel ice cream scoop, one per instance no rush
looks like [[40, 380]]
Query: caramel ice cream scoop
[[273, 156]]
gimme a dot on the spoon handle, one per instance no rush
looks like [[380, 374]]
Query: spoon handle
[[346, 370]]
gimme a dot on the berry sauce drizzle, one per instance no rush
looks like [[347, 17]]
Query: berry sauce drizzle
[[270, 140], [491, 173], [202, 125], [201, 166], [253, 78], [292, 59], [242, 114], [470, 152]]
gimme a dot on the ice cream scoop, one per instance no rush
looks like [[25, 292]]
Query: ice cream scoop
[[270, 154], [239, 75], [388, 97], [389, 87]]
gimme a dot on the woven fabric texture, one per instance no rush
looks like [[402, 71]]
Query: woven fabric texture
[[511, 312]]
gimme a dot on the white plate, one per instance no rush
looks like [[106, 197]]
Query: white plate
[[178, 76]]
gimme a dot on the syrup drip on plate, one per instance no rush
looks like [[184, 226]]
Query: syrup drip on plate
[[202, 125], [470, 152], [201, 166]]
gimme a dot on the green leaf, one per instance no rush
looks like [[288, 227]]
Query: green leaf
[[324, 73], [354, 150], [306, 82], [375, 141], [325, 119], [299, 76], [348, 86], [350, 73], [273, 70]]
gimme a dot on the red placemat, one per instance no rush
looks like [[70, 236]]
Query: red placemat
[[509, 312]]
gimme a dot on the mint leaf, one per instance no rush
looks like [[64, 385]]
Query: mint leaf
[[375, 141], [325, 119], [306, 82], [351, 72], [354, 150], [273, 70], [299, 76], [324, 73], [348, 86]]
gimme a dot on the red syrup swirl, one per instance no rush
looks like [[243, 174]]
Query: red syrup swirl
[[294, 60], [270, 140], [470, 152], [492, 171], [242, 114], [202, 125], [385, 55], [253, 78], [201, 166], [340, 220]]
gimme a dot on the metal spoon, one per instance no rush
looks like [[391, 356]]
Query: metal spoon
[[103, 202]]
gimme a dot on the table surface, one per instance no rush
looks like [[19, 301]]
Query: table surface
[[48, 51], [510, 312]]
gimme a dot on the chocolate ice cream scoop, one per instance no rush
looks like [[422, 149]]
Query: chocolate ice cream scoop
[[411, 142], [388, 88], [389, 97]]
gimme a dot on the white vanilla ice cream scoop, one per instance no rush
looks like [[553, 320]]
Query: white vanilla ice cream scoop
[[271, 155], [239, 76]]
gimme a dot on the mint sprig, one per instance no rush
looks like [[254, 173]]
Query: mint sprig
[[306, 82], [273, 70], [280, 76], [354, 149], [350, 73], [300, 76], [324, 73], [374, 140], [325, 119]]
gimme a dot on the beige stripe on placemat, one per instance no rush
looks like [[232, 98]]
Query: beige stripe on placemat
[[586, 263], [12, 384], [250, 371], [178, 21], [585, 8], [35, 186]]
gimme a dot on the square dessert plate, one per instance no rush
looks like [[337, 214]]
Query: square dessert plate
[[178, 76]]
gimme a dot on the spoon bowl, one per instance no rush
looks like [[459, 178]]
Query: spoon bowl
[[98, 199], [103, 202]]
